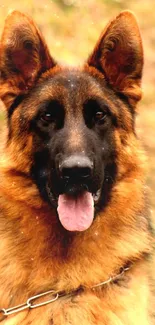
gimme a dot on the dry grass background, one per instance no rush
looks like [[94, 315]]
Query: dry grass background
[[71, 28]]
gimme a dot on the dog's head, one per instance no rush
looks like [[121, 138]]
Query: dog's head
[[70, 129]]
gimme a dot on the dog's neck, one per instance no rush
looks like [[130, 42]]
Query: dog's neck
[[50, 296]]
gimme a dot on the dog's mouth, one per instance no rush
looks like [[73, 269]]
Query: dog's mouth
[[76, 212]]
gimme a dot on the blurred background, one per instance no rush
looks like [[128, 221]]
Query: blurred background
[[71, 28]]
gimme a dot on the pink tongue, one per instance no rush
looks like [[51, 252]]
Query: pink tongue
[[76, 214]]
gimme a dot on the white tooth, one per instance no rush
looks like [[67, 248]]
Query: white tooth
[[97, 195]]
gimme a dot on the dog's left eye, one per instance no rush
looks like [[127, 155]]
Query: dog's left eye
[[100, 116], [93, 113]]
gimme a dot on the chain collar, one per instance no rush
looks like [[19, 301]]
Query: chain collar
[[31, 303]]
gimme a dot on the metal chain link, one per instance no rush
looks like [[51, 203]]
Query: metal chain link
[[30, 303]]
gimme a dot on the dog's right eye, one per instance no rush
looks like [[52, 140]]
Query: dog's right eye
[[52, 113], [47, 117]]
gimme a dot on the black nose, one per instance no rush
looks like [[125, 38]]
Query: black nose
[[76, 166]]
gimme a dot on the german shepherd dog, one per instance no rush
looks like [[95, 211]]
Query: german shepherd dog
[[75, 233]]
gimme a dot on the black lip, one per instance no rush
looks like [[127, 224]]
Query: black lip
[[76, 189], [53, 198]]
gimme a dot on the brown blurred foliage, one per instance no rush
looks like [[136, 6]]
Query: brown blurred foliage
[[71, 28]]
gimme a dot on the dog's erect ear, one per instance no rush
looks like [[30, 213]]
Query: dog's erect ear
[[23, 57], [119, 55]]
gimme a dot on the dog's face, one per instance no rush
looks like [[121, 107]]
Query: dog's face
[[64, 121], [72, 127]]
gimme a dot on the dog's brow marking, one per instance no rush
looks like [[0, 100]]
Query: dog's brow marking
[[52, 90]]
